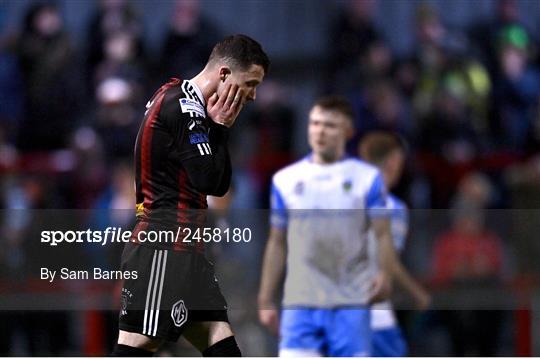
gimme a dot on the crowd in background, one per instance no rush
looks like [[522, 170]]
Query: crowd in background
[[465, 100]]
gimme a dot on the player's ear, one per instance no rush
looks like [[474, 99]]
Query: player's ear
[[224, 72]]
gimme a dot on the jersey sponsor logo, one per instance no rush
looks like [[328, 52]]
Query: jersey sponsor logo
[[192, 107], [195, 138], [179, 313]]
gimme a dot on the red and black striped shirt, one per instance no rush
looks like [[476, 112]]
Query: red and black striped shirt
[[181, 156]]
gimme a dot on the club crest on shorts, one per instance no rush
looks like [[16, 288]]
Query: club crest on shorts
[[125, 301], [179, 313]]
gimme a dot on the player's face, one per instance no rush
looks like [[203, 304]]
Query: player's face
[[327, 133], [247, 81], [394, 167]]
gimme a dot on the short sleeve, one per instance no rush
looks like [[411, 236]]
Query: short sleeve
[[376, 199], [400, 222], [278, 214]]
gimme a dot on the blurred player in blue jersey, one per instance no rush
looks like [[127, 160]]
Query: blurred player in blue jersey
[[386, 151], [323, 208]]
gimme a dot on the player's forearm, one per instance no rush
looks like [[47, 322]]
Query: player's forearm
[[223, 172], [210, 176], [402, 276], [386, 253], [272, 271], [224, 182], [392, 265], [219, 136]]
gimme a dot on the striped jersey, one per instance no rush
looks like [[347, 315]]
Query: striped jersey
[[325, 210], [175, 129]]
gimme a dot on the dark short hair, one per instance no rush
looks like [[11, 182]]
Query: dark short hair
[[376, 146], [240, 51], [336, 103]]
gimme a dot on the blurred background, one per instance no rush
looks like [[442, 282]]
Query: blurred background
[[459, 80]]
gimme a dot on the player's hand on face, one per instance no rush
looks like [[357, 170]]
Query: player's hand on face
[[269, 317], [381, 287], [225, 107]]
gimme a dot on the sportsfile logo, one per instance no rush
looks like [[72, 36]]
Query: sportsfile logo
[[110, 234], [117, 235]]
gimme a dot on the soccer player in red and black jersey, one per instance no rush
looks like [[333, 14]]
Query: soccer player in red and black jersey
[[181, 156]]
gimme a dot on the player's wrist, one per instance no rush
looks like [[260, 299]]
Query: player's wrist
[[265, 302], [218, 125], [218, 132]]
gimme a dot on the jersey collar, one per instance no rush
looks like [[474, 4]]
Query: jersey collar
[[198, 91], [343, 158]]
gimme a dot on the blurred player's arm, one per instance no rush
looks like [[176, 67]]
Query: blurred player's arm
[[402, 276], [386, 254], [380, 224], [392, 266], [273, 271]]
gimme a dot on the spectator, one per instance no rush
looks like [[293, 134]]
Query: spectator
[[441, 55], [430, 57], [483, 34], [533, 140], [272, 121], [448, 143], [89, 176], [352, 32], [50, 78], [380, 107], [188, 41], [11, 95], [447, 131], [474, 191], [470, 256], [121, 61], [375, 64], [516, 89], [112, 17], [117, 120]]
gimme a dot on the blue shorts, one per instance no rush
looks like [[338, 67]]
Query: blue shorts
[[388, 343], [331, 332]]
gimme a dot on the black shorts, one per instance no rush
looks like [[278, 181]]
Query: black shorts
[[172, 289]]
